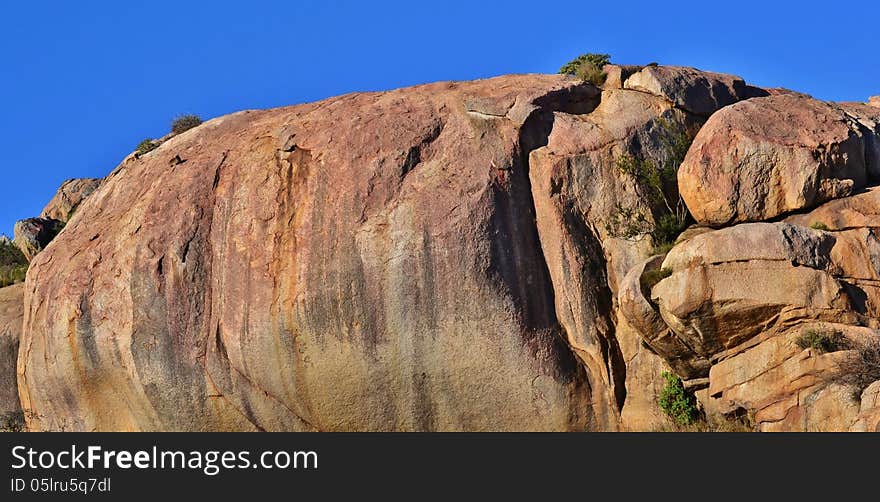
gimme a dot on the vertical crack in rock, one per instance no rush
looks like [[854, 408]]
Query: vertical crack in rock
[[534, 134]]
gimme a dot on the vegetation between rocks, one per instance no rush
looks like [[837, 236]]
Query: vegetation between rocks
[[818, 225], [587, 67], [651, 277], [821, 340], [861, 367], [657, 182], [146, 146], [678, 404], [13, 264]]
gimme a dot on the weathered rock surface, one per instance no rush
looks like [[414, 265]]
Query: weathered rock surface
[[576, 188], [785, 387], [868, 419], [730, 285], [223, 282], [31, 235], [443, 257], [11, 303], [616, 75], [765, 157], [692, 90], [874, 101], [644, 316], [69, 196]]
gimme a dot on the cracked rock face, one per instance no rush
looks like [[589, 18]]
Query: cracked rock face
[[765, 157]]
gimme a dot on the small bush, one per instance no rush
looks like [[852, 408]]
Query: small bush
[[668, 227], [587, 67], [818, 225], [185, 123], [651, 277], [146, 146], [821, 341], [592, 74], [679, 404], [663, 247], [861, 368], [597, 60]]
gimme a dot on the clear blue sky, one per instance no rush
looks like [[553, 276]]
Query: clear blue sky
[[83, 82]]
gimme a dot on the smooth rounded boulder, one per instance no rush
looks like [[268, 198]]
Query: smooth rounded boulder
[[764, 157]]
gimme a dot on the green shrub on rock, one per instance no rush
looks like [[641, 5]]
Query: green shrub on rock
[[587, 67], [146, 146], [821, 341], [184, 123], [679, 404]]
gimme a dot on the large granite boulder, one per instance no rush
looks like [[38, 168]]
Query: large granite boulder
[[369, 262], [765, 157]]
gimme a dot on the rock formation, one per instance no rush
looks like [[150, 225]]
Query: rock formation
[[33, 234], [449, 257], [70, 195]]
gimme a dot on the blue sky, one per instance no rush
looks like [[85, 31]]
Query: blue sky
[[83, 82]]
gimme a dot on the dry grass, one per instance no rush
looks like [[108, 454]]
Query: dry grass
[[861, 368], [708, 425]]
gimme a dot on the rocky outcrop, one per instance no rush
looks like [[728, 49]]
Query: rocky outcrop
[[765, 157], [33, 234], [784, 387], [69, 196], [580, 193], [616, 75], [10, 330], [874, 101], [742, 297], [449, 257]]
